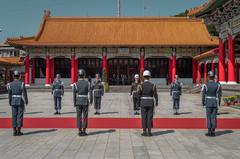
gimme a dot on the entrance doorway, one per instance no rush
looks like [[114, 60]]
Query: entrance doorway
[[122, 70]]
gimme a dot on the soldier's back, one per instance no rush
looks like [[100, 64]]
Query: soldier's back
[[82, 87], [16, 87]]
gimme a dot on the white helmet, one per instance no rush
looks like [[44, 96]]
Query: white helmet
[[136, 76], [146, 73]]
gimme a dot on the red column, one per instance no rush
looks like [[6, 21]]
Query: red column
[[105, 64], [221, 63], [52, 70], [213, 67], [205, 73], [174, 66], [76, 70], [47, 71], [194, 71], [33, 71], [27, 69], [199, 73], [170, 71], [142, 64], [73, 69], [231, 60]]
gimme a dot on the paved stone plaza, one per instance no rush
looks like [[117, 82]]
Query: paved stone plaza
[[124, 144], [113, 105], [117, 143]]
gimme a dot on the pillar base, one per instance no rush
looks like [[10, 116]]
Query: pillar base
[[233, 82], [47, 85], [27, 85]]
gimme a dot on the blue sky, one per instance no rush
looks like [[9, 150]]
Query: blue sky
[[23, 17]]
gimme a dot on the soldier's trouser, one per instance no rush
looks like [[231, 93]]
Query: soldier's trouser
[[147, 117], [176, 103], [135, 104], [17, 116], [211, 117], [57, 103], [97, 103], [82, 116]]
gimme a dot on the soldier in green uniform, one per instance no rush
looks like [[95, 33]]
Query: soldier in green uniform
[[17, 95], [176, 92], [134, 95], [98, 92], [57, 92], [82, 97], [147, 93], [210, 93]]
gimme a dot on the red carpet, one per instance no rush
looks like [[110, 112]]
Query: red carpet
[[123, 123]]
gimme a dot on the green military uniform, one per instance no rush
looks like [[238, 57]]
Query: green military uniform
[[17, 95], [57, 92], [210, 95], [82, 97], [133, 93], [176, 92], [98, 92], [147, 92]]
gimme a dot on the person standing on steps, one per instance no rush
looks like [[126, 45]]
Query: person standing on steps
[[147, 93], [134, 95], [210, 93], [98, 92], [57, 92], [176, 92], [82, 97], [17, 95]]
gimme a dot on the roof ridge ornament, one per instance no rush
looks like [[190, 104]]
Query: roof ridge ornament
[[47, 13]]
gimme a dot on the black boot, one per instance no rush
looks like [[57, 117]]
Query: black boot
[[19, 133], [80, 132], [213, 132], [149, 132], [14, 131], [84, 132], [208, 133], [144, 132]]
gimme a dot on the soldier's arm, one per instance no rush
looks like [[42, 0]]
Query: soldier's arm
[[156, 94], [53, 87], [9, 94], [90, 93], [171, 87], [204, 95], [74, 94], [25, 94], [62, 89], [180, 89], [102, 89], [220, 90], [131, 90]]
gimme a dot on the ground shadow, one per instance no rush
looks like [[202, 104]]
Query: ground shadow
[[162, 132], [223, 113], [40, 131], [101, 132], [185, 113], [68, 113], [2, 98], [109, 112], [33, 113], [219, 133]]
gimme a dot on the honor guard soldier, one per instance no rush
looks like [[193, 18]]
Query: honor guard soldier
[[82, 97], [17, 95], [57, 92], [210, 93], [98, 92], [134, 95], [175, 92], [147, 92]]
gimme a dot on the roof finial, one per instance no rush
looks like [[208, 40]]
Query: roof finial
[[47, 13]]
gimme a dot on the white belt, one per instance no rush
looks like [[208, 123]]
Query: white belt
[[18, 96], [147, 98], [86, 96], [211, 97]]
